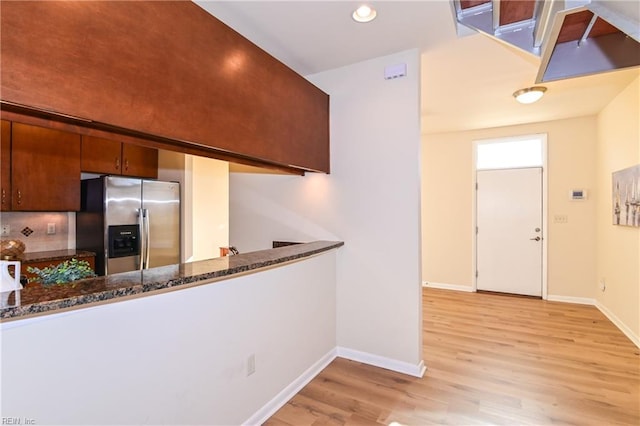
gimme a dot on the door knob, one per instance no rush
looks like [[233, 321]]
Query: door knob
[[535, 239]]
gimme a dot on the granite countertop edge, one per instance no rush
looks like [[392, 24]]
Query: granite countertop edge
[[51, 256], [157, 280]]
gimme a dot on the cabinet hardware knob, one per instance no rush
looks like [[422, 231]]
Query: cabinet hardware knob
[[19, 197], [117, 163], [126, 164]]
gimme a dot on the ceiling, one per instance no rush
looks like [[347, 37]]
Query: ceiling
[[467, 81]]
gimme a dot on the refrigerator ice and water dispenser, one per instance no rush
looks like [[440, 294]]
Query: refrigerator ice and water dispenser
[[124, 240]]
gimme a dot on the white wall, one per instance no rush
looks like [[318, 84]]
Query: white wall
[[448, 198], [210, 207], [173, 358], [618, 246], [204, 187], [371, 201]]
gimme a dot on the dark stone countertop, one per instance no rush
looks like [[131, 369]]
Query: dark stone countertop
[[52, 255], [83, 293]]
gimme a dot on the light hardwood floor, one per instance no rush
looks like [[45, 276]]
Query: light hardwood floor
[[491, 359]]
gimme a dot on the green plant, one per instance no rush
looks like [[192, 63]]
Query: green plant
[[62, 273]]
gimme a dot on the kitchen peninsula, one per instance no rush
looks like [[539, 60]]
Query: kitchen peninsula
[[181, 344], [39, 300]]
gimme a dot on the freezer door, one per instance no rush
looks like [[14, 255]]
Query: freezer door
[[161, 201], [122, 200], [122, 207]]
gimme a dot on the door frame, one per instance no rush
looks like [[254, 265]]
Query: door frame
[[545, 204]]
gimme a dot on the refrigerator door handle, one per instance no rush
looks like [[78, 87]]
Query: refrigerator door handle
[[147, 236], [142, 238]]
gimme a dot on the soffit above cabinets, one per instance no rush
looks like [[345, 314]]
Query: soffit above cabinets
[[572, 38]]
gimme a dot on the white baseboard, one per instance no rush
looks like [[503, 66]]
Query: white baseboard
[[571, 299], [269, 409], [445, 286], [555, 298], [277, 402], [383, 362], [614, 319], [607, 313], [263, 414]]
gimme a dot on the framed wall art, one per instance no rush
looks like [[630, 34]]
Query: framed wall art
[[626, 197]]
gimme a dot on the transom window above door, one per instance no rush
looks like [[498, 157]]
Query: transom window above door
[[510, 153]]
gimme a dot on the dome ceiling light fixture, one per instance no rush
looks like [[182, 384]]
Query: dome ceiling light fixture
[[364, 14], [530, 94]]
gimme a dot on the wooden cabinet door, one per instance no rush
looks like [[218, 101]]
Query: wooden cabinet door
[[5, 166], [112, 157], [100, 155], [139, 161], [45, 169]]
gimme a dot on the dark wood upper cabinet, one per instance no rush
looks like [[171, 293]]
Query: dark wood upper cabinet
[[5, 166], [166, 69], [100, 155], [139, 161], [45, 169]]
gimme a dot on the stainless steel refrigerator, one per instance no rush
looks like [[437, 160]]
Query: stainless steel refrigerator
[[131, 224]]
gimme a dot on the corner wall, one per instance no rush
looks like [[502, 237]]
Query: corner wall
[[371, 201], [448, 197], [204, 192], [618, 246]]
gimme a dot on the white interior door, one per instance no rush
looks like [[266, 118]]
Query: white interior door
[[509, 239]]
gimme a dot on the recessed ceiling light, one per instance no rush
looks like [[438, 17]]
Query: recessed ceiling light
[[530, 94], [364, 14]]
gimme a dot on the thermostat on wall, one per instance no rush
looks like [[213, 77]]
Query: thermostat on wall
[[578, 194]]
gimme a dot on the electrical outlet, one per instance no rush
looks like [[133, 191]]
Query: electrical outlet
[[603, 284], [251, 364], [6, 230], [51, 228]]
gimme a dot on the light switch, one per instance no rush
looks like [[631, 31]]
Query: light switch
[[51, 228], [560, 218]]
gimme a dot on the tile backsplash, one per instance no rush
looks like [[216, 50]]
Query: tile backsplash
[[31, 228]]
